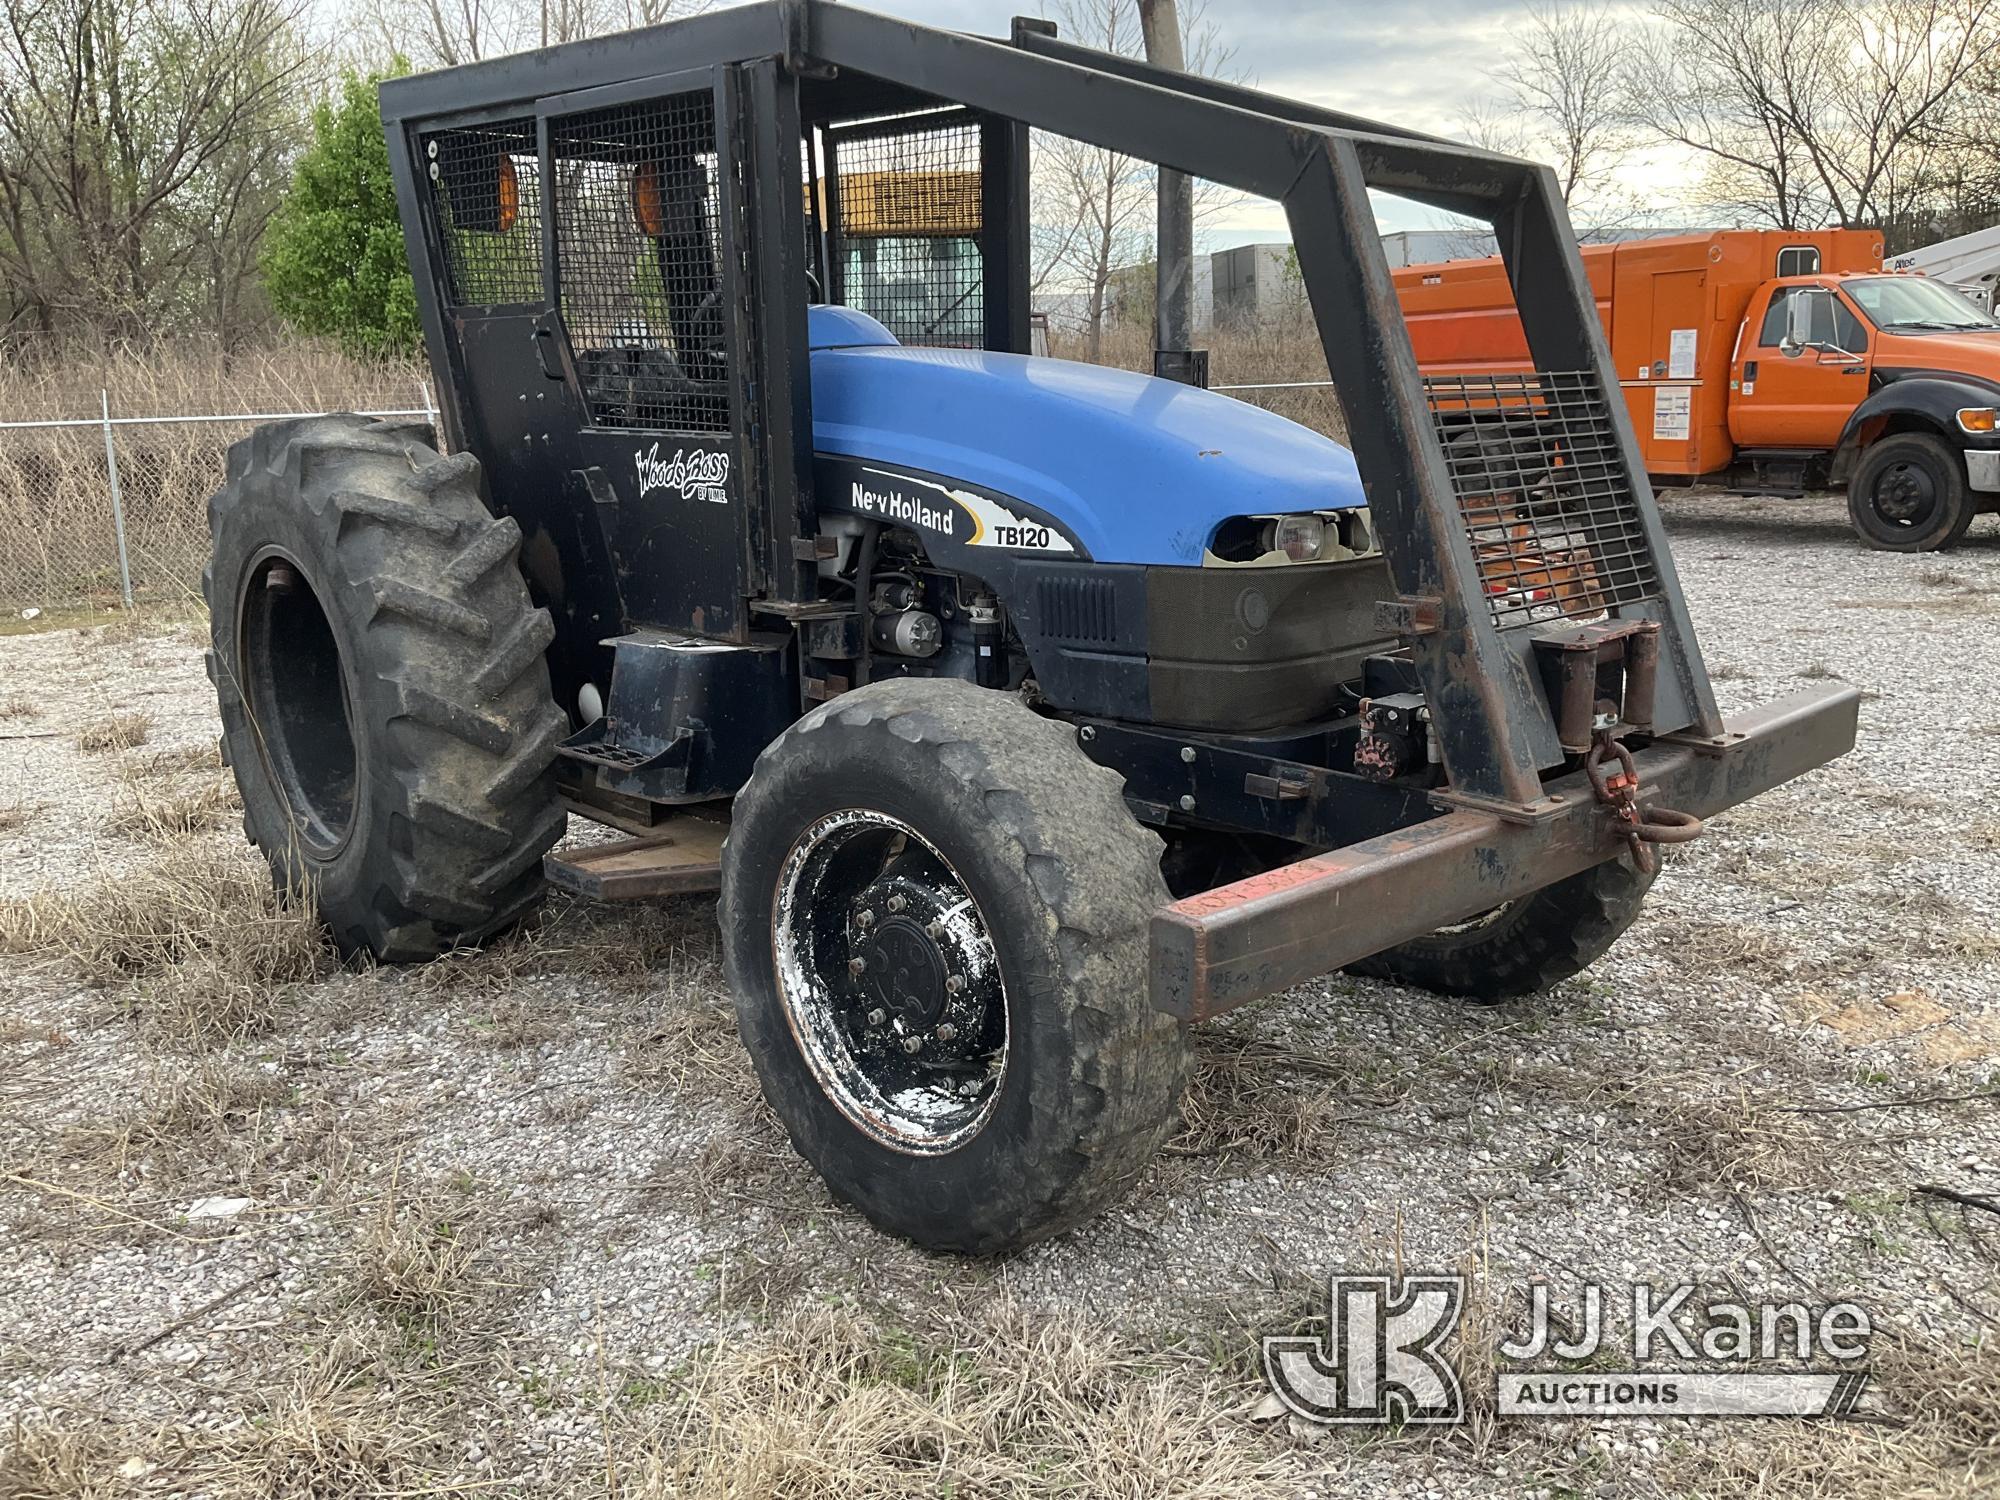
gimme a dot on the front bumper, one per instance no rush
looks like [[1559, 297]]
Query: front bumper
[[1214, 951], [1982, 469]]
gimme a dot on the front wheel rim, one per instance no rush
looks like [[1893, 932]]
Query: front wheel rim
[[1905, 495], [298, 700], [890, 981]]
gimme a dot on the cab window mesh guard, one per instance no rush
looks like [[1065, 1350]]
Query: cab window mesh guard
[[1542, 489], [637, 221], [486, 195], [908, 229]]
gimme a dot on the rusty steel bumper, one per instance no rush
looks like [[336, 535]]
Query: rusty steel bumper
[[1239, 942]]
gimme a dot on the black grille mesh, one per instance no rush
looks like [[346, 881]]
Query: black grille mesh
[[1542, 487], [637, 205], [908, 231], [1078, 609], [487, 195]]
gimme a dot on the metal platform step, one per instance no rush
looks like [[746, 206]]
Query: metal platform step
[[683, 856]]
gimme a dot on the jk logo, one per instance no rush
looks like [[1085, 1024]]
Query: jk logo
[[1382, 1359]]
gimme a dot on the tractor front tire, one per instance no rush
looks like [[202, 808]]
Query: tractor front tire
[[934, 917], [1909, 494], [1524, 945], [385, 703]]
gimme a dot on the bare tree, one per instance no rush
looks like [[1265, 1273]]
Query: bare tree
[[1094, 209], [1566, 77], [1812, 111], [445, 33], [142, 145]]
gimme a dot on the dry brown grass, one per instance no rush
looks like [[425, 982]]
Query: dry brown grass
[[667, 947], [1262, 1099], [827, 1404], [1750, 952], [170, 763], [200, 1122], [690, 1046], [332, 1427], [164, 816], [1703, 1140], [1282, 350], [192, 376], [196, 941], [1950, 604], [54, 504], [1940, 1439], [194, 901], [117, 732], [19, 708], [417, 1257], [170, 794]]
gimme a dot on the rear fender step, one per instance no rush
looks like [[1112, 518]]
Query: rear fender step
[[683, 856]]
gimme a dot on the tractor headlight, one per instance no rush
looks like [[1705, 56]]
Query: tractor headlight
[[1298, 537], [1984, 420]]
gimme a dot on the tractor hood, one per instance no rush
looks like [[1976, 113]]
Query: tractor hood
[[1140, 470]]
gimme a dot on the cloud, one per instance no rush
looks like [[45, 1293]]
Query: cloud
[[1412, 66]]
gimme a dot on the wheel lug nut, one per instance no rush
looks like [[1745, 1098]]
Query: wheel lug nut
[[897, 903], [877, 1016], [935, 932], [913, 1043], [954, 983], [857, 967], [947, 1032], [864, 919]]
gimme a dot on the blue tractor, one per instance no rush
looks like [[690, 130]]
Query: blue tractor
[[1024, 713]]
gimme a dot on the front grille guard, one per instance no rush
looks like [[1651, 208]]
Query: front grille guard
[[1543, 493]]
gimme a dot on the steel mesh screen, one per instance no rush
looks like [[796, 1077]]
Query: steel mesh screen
[[638, 247], [1543, 489], [908, 230], [487, 195]]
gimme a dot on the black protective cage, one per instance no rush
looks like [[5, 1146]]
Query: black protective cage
[[736, 131]]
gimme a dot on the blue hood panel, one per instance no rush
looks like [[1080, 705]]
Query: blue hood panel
[[1139, 469]]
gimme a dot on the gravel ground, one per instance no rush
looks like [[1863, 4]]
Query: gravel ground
[[536, 1190]]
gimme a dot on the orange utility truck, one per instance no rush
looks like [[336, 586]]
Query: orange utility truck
[[1772, 360]]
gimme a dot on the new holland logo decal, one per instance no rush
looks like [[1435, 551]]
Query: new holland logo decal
[[970, 519]]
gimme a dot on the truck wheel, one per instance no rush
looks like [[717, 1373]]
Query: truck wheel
[[1523, 945], [378, 665], [934, 917], [1908, 494]]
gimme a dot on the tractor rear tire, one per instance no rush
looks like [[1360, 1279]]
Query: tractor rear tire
[[1524, 945], [934, 917], [1909, 494], [385, 703]]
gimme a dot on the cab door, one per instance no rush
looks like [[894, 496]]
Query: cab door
[[1802, 401]]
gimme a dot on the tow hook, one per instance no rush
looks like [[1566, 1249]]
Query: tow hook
[[1640, 827]]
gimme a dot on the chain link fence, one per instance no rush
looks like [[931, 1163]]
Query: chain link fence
[[112, 508]]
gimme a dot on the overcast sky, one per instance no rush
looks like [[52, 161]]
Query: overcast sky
[[1409, 64]]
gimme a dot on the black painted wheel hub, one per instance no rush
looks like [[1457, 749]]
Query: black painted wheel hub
[[926, 967], [1905, 494]]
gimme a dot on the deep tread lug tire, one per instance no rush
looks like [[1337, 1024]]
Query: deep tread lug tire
[[1940, 467], [1066, 881], [1528, 945], [450, 799]]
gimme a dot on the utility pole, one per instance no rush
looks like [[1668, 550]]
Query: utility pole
[[1173, 265]]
